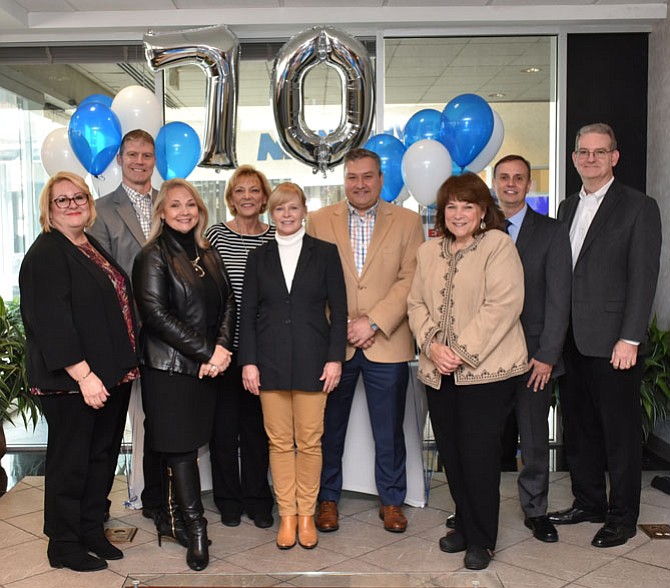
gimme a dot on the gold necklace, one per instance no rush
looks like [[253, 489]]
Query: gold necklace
[[199, 271]]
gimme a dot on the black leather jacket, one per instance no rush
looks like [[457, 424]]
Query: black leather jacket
[[171, 301]]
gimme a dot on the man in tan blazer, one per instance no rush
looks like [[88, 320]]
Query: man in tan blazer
[[377, 243]]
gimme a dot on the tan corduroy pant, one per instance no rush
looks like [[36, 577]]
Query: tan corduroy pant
[[294, 424]]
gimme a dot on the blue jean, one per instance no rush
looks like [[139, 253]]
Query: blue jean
[[385, 391]]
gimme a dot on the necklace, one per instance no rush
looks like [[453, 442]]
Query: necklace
[[199, 271]]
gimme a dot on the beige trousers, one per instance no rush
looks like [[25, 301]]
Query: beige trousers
[[294, 424]]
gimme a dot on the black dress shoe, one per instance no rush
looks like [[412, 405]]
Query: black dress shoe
[[150, 512], [542, 528], [451, 521], [230, 519], [574, 515], [453, 543], [100, 545], [613, 534], [477, 558], [75, 559], [263, 520]]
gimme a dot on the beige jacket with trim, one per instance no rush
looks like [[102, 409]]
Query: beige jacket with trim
[[471, 301]]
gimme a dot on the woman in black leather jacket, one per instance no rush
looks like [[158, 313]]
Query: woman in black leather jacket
[[188, 318]]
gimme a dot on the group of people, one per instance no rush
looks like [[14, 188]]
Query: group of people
[[252, 337]]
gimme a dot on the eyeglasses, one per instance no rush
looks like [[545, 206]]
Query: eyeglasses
[[64, 201], [597, 153]]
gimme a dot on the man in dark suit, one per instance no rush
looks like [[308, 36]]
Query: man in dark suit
[[615, 234], [544, 247], [122, 225]]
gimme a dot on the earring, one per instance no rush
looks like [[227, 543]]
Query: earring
[[482, 225]]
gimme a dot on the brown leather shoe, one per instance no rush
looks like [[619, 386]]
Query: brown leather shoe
[[327, 519], [287, 530], [307, 536], [393, 518]]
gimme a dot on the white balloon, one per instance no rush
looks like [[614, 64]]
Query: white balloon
[[57, 155], [138, 108], [108, 180], [490, 150], [404, 195], [425, 166]]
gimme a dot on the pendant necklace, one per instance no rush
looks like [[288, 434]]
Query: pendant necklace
[[199, 271]]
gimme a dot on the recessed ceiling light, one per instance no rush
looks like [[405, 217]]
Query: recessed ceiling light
[[497, 95], [531, 70]]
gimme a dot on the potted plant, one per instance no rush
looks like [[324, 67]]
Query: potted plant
[[655, 388], [15, 397]]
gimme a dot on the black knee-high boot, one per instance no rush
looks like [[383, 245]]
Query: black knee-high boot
[[168, 519], [186, 483]]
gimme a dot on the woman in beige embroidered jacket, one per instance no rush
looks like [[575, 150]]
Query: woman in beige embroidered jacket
[[464, 309]]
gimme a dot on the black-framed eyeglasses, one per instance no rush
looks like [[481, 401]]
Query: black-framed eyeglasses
[[64, 201], [597, 153]]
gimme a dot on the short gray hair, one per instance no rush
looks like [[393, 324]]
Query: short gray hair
[[601, 129]]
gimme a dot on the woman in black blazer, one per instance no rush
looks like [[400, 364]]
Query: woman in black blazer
[[77, 311], [188, 319], [293, 334]]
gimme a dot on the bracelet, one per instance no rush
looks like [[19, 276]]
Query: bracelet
[[86, 376]]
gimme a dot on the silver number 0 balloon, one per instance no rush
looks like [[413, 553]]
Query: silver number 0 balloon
[[216, 51], [294, 60]]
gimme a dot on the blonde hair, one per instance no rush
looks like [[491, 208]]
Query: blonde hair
[[283, 192], [246, 171], [159, 207], [45, 197]]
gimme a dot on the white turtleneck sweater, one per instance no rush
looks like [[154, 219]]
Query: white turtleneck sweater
[[289, 252]]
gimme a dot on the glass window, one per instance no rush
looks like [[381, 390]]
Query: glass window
[[515, 75]]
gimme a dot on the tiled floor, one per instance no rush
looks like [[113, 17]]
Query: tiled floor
[[361, 553]]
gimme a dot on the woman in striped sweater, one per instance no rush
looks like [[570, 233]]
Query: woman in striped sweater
[[238, 424]]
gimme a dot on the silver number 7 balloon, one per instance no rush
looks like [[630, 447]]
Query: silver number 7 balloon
[[216, 51], [352, 62]]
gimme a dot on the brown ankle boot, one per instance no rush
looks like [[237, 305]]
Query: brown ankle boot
[[307, 536], [287, 530]]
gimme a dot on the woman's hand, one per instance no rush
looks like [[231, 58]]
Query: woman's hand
[[330, 377], [93, 391], [445, 360], [217, 364], [251, 379]]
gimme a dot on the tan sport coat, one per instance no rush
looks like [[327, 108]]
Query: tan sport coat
[[380, 292]]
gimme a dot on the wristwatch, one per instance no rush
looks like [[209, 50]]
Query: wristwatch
[[373, 326]]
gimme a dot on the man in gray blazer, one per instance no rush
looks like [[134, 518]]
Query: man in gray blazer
[[544, 247], [122, 225], [615, 235]]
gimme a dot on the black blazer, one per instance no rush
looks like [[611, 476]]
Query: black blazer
[[614, 279], [290, 335], [71, 312], [544, 247], [172, 303]]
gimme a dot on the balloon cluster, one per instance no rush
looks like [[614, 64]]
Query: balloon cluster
[[93, 136], [465, 136]]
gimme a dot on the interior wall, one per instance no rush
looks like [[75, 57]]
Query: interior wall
[[658, 149]]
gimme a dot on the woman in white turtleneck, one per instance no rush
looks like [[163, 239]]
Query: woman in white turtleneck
[[293, 333]]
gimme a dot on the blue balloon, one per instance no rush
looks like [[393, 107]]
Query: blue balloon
[[424, 124], [466, 127], [101, 98], [177, 150], [390, 150], [95, 136]]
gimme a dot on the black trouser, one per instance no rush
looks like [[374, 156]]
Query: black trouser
[[239, 484], [467, 422], [602, 432], [82, 443]]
